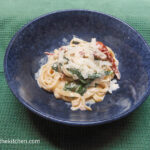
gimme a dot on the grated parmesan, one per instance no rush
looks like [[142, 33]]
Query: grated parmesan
[[113, 86]]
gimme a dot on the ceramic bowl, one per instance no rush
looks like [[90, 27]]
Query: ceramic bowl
[[25, 55]]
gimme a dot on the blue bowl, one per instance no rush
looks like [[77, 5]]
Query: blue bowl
[[25, 54]]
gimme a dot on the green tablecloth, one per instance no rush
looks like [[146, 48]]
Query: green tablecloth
[[16, 122]]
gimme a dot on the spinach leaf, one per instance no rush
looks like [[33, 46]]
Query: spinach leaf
[[78, 74], [81, 90], [70, 86], [67, 60], [94, 76], [75, 42], [75, 87], [108, 73], [80, 77], [55, 67]]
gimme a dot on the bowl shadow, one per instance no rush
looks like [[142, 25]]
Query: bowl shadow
[[89, 138]]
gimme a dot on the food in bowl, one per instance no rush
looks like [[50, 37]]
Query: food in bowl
[[81, 72]]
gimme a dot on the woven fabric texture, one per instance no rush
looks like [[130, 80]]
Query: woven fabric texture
[[16, 122]]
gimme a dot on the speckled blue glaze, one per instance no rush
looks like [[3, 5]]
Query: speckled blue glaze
[[26, 49]]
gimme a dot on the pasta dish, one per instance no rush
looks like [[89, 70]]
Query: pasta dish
[[80, 72]]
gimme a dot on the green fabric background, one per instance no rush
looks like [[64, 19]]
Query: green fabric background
[[16, 122]]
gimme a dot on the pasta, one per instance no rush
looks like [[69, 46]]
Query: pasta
[[80, 72]]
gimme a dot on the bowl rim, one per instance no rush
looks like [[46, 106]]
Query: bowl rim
[[49, 117]]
